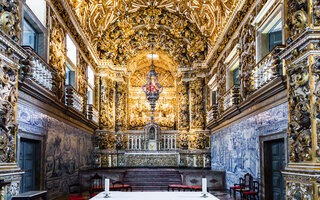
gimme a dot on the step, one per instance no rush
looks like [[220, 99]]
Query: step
[[154, 184], [152, 179], [139, 179]]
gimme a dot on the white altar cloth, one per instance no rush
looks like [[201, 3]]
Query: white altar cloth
[[153, 196]]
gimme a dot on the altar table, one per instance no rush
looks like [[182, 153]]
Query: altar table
[[153, 196]]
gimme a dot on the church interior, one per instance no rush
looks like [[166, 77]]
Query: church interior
[[143, 99]]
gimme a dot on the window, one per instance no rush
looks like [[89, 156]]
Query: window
[[90, 96], [235, 73], [39, 9], [90, 74], [71, 51], [269, 31], [70, 75], [30, 36], [275, 36], [213, 97]]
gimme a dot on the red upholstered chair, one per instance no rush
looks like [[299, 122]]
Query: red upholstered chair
[[254, 192], [246, 186], [236, 186]]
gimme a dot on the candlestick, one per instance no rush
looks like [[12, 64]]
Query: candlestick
[[107, 187], [204, 187]]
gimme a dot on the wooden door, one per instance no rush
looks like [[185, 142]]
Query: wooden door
[[274, 163], [28, 164]]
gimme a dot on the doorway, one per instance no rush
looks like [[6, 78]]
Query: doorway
[[30, 162], [274, 163]]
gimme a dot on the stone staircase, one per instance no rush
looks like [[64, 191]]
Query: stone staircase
[[152, 179]]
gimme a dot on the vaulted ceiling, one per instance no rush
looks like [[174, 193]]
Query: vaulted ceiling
[[118, 29]]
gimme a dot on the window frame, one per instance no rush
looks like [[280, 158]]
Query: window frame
[[42, 42], [275, 13]]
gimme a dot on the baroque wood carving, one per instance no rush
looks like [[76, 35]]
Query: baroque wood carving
[[153, 27], [8, 100], [10, 18], [299, 113], [297, 18], [197, 104], [247, 59], [107, 115], [183, 106], [57, 55]]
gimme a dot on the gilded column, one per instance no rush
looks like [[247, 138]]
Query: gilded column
[[302, 64], [183, 113]]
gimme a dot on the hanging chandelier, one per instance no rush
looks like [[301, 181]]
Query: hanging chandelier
[[153, 88]]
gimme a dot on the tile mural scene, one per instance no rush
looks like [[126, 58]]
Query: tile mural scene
[[68, 149], [235, 149]]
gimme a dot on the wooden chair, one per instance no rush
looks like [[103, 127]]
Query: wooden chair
[[95, 185], [254, 192], [236, 186], [246, 186], [119, 186]]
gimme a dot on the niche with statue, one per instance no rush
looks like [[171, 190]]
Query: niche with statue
[[152, 136]]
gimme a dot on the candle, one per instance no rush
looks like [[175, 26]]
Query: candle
[[204, 186], [106, 186]]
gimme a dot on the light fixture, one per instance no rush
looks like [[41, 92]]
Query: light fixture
[[153, 88]]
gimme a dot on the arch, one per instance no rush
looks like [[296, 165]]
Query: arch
[[153, 27]]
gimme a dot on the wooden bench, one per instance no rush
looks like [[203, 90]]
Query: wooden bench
[[31, 195], [185, 187]]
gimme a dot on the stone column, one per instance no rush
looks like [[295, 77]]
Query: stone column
[[301, 58]]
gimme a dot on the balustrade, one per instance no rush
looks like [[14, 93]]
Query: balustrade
[[74, 99], [135, 142], [169, 141], [231, 97], [42, 73], [212, 113], [92, 113], [267, 69]]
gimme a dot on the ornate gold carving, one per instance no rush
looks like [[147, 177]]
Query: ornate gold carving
[[107, 115], [183, 107], [59, 7], [300, 141], [316, 12], [57, 55], [210, 17], [121, 105], [221, 90], [297, 17], [296, 190], [247, 59], [10, 18], [82, 77], [197, 104], [139, 108], [316, 75], [8, 100], [138, 31]]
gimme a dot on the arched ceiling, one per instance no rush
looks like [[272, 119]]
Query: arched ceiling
[[205, 19]]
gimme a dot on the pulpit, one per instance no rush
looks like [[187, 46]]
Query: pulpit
[[152, 136]]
